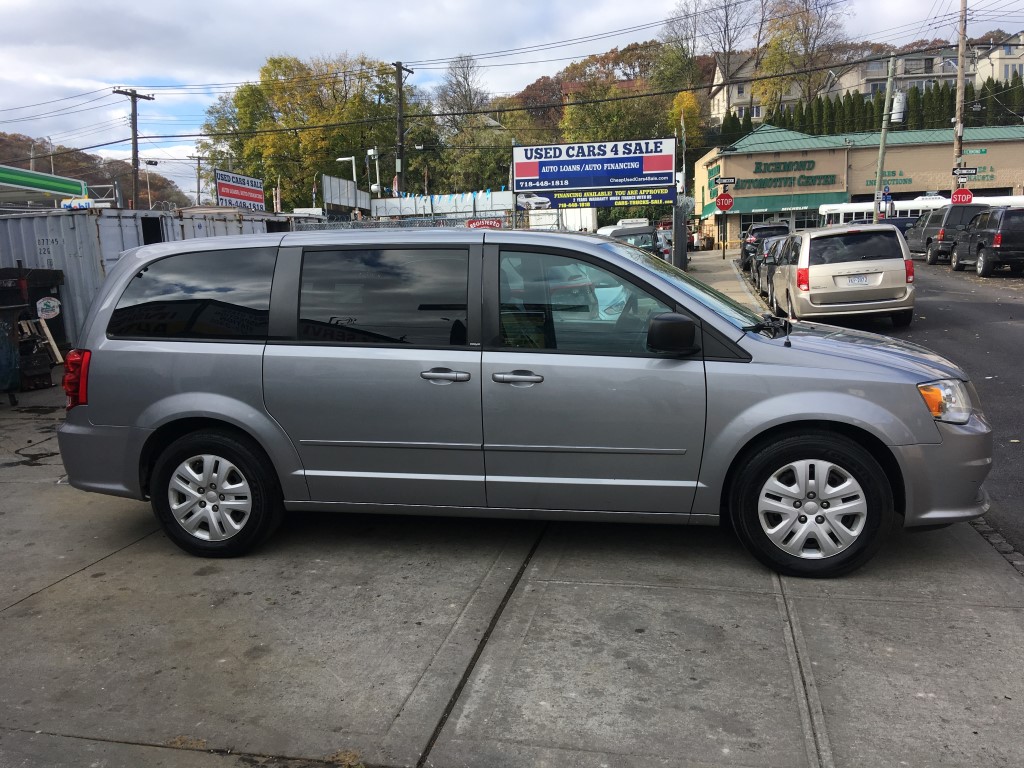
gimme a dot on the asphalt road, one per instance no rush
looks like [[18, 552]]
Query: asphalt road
[[978, 323]]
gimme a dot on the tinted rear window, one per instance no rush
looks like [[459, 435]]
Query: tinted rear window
[[961, 214], [763, 232], [1013, 220], [205, 295], [855, 246]]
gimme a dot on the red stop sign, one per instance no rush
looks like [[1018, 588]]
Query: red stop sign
[[962, 196], [724, 201]]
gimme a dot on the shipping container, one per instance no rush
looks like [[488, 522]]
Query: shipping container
[[216, 221]]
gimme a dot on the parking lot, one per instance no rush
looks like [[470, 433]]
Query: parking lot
[[400, 641]]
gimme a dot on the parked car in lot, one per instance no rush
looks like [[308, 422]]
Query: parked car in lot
[[231, 380], [646, 237], [933, 233], [758, 268], [992, 239], [847, 270], [754, 235]]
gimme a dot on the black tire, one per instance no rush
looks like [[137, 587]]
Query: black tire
[[238, 466], [954, 260], [766, 480], [985, 264], [931, 256], [903, 318]]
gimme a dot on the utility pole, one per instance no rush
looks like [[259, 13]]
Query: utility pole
[[961, 63], [199, 165], [132, 94], [885, 132], [399, 171]]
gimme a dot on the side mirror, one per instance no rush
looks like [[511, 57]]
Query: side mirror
[[672, 333]]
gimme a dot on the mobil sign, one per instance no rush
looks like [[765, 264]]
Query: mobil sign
[[604, 165]]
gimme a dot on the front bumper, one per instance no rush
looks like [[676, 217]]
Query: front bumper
[[944, 480]]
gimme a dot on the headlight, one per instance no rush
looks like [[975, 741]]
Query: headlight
[[947, 400]]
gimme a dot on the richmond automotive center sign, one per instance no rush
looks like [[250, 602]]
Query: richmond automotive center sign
[[240, 191], [598, 174]]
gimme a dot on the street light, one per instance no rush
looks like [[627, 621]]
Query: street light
[[149, 194], [374, 155], [355, 179]]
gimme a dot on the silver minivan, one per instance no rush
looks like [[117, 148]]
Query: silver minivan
[[507, 374], [861, 269]]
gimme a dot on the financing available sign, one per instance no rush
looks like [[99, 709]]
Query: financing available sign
[[604, 173], [240, 191]]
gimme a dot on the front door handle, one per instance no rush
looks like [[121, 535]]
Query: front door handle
[[444, 375], [517, 377]]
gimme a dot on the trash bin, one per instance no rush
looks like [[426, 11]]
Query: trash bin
[[10, 354], [709, 243]]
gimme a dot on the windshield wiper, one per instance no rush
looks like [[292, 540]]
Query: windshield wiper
[[770, 322]]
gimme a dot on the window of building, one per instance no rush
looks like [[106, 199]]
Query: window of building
[[206, 295], [755, 111], [403, 297], [740, 89]]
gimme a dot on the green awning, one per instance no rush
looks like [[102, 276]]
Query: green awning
[[17, 184], [777, 203]]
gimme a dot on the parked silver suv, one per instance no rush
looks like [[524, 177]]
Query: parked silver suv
[[505, 374]]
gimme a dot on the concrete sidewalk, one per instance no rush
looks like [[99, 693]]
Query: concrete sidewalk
[[395, 641]]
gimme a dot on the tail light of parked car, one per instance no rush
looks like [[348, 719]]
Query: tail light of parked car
[[997, 240], [76, 377], [908, 265], [940, 236], [803, 278]]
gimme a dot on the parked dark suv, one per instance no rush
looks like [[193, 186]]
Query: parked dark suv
[[991, 239], [753, 237], [933, 234]]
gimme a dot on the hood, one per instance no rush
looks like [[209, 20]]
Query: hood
[[860, 346]]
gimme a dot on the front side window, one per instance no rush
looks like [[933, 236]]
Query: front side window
[[550, 302], [205, 295], [393, 296]]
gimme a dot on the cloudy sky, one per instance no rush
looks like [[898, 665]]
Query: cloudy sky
[[60, 61]]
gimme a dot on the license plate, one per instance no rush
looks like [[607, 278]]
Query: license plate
[[858, 280]]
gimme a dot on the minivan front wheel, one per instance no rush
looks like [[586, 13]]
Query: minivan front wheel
[[813, 505], [215, 494]]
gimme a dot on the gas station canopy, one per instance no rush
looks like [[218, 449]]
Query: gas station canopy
[[20, 186]]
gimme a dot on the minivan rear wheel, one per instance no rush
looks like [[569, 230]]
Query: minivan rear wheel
[[215, 494], [814, 505]]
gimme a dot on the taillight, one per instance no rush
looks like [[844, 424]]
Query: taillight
[[942, 234], [909, 266], [997, 240], [76, 377], [803, 279]]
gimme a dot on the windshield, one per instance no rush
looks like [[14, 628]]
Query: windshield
[[737, 314]]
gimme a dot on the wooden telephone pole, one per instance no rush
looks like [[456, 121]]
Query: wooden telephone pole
[[134, 96]]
